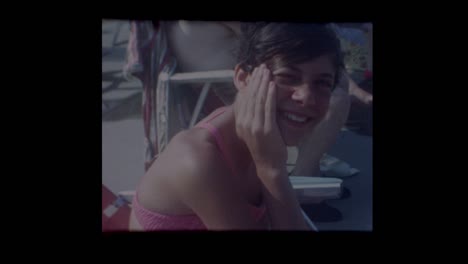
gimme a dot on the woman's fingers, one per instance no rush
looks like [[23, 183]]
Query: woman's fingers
[[243, 99], [260, 100], [270, 107], [252, 93]]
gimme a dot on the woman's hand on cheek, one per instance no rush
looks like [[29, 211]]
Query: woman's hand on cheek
[[255, 112]]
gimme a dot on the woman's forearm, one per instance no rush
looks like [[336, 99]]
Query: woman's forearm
[[280, 199]]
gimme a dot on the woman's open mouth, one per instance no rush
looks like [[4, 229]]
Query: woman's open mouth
[[295, 120]]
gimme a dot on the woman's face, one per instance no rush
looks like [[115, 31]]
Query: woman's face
[[303, 96]]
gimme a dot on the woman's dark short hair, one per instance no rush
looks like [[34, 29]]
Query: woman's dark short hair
[[283, 44]]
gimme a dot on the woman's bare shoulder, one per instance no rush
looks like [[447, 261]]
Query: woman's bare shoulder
[[190, 156]]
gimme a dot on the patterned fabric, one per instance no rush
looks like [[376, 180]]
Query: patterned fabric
[[356, 53], [149, 60]]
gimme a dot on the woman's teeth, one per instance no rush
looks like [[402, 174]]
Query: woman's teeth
[[295, 118]]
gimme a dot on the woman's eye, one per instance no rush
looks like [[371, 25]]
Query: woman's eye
[[322, 84]]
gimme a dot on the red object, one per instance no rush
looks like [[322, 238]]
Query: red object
[[115, 212], [368, 74]]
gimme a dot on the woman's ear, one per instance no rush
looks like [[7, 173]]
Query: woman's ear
[[241, 78]]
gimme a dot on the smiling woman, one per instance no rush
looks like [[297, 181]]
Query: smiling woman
[[305, 70], [231, 170]]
